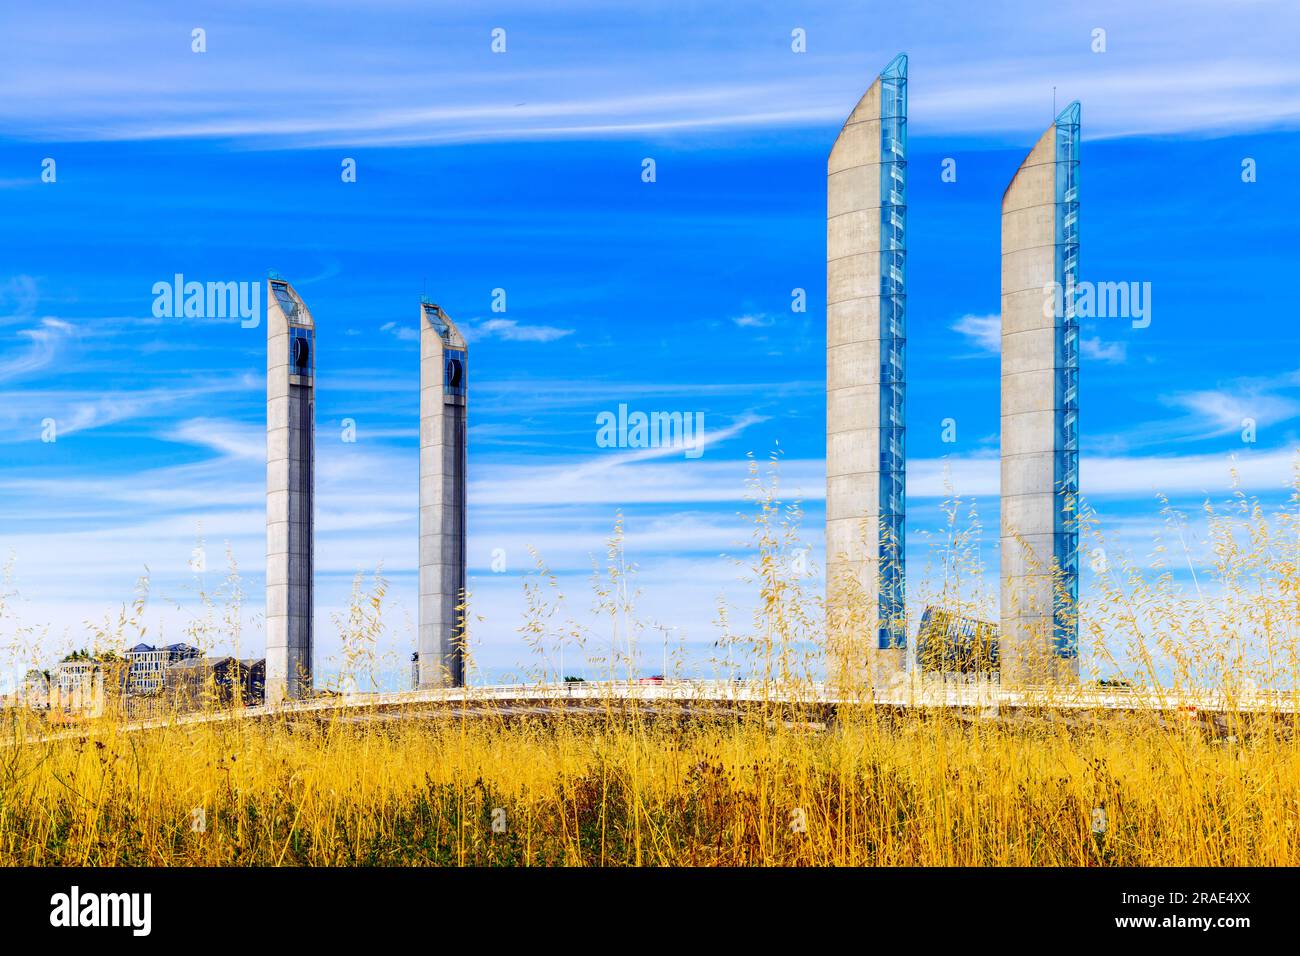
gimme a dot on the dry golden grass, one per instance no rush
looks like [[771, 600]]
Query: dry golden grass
[[776, 783], [908, 791]]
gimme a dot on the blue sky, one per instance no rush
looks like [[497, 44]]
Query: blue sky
[[522, 171]]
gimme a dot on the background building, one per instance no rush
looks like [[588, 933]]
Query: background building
[[77, 684], [146, 665], [1040, 408], [290, 467], [866, 333], [443, 448], [216, 682]]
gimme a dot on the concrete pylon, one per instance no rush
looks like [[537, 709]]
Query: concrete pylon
[[866, 330], [1040, 410], [443, 445], [290, 474]]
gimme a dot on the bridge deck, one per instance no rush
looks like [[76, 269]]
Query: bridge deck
[[982, 699]]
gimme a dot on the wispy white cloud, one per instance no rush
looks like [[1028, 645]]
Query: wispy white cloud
[[982, 331], [81, 410], [1222, 411], [1112, 353], [509, 330], [1262, 471], [1112, 476], [403, 333], [1212, 71], [1206, 414], [613, 476], [675, 446], [44, 342], [18, 298], [232, 439], [1168, 91], [506, 330]]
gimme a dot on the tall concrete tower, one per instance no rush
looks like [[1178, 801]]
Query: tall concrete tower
[[290, 472], [866, 332], [443, 375], [1040, 409]]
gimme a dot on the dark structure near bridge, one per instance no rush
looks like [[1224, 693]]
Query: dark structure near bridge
[[947, 643]]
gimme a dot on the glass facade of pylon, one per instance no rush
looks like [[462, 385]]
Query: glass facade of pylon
[[893, 342], [1066, 530]]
